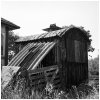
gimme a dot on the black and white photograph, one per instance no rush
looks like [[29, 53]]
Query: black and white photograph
[[49, 49]]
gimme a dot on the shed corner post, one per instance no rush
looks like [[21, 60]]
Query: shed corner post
[[59, 63]]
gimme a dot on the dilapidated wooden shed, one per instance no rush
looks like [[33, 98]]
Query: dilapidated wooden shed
[[60, 55]]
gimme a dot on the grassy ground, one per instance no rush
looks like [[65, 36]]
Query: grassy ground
[[21, 90]]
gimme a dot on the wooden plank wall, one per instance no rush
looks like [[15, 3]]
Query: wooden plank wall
[[61, 62], [76, 63], [45, 71], [43, 75], [76, 73], [76, 51]]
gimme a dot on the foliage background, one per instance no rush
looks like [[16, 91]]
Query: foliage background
[[12, 47], [93, 65]]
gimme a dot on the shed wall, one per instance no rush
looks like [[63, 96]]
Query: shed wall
[[75, 64], [70, 56]]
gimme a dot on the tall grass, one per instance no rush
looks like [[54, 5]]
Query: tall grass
[[20, 91]]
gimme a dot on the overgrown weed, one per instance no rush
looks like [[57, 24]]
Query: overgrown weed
[[21, 89], [84, 91]]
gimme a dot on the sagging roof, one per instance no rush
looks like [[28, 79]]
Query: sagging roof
[[31, 55], [56, 33], [10, 25]]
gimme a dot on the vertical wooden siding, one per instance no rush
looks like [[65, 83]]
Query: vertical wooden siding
[[76, 63], [80, 51], [76, 51], [70, 50]]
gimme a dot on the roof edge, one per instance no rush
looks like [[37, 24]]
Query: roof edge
[[9, 24], [57, 33]]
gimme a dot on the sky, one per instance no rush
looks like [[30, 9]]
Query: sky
[[33, 16]]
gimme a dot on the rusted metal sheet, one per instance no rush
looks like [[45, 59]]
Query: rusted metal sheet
[[12, 61], [31, 55], [41, 55]]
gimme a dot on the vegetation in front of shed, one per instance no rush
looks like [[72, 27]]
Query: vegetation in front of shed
[[22, 90], [22, 93]]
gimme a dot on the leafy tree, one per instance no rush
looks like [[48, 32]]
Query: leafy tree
[[90, 48], [12, 47]]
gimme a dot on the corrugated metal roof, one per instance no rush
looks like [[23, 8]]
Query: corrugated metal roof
[[59, 33], [44, 35], [31, 55]]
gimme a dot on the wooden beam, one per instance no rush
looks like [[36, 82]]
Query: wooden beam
[[6, 46], [37, 81], [39, 70]]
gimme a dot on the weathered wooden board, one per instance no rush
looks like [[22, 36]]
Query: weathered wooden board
[[70, 50], [40, 76], [43, 69]]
